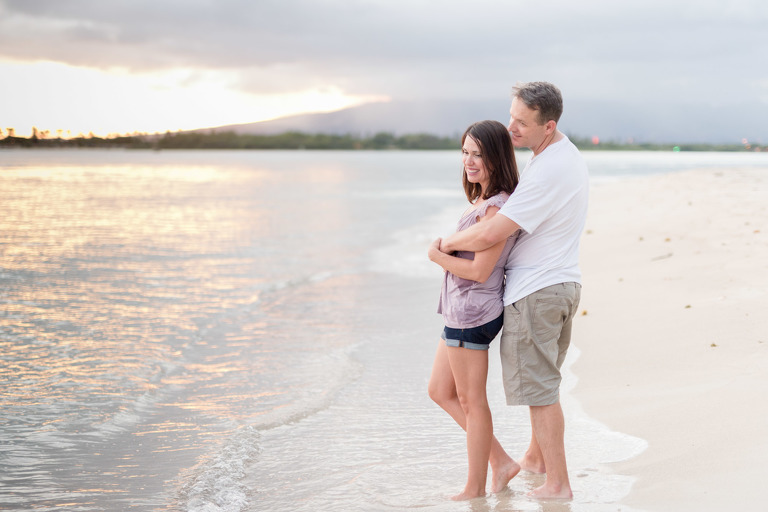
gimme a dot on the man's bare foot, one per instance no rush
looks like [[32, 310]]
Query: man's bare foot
[[467, 495], [503, 475], [551, 492], [533, 466]]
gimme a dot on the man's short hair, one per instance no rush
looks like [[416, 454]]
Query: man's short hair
[[543, 97]]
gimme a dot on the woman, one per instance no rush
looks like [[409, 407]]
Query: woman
[[472, 307]]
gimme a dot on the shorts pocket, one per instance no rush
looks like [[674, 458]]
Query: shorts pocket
[[549, 316], [513, 319]]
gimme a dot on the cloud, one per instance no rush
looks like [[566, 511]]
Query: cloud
[[701, 52]]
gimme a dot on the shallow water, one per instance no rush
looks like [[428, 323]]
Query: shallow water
[[246, 331]]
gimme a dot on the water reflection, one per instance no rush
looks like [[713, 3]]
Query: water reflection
[[139, 321], [518, 501]]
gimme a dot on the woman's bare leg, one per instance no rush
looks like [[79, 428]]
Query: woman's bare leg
[[470, 371], [442, 389]]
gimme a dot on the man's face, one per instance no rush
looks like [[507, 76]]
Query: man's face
[[524, 126]]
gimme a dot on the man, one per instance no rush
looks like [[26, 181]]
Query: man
[[543, 281]]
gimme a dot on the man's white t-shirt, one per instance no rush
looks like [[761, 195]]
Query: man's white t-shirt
[[550, 206]]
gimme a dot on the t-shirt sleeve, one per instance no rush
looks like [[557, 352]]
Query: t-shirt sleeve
[[530, 204]]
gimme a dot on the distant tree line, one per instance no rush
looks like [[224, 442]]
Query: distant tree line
[[91, 141], [232, 140], [584, 143], [299, 140]]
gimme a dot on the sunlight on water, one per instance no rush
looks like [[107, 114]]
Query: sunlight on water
[[150, 309], [122, 289]]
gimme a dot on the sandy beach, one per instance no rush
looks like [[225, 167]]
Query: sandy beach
[[672, 334]]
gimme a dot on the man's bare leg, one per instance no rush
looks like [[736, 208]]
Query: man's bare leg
[[533, 459], [549, 430]]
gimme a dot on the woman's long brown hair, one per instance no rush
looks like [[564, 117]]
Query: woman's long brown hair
[[498, 156]]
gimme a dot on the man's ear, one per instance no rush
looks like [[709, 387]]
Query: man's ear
[[550, 126]]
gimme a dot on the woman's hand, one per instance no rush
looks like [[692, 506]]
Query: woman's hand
[[434, 250]]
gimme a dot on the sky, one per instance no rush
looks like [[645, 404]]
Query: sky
[[118, 67]]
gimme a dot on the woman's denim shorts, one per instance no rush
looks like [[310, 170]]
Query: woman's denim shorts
[[477, 338]]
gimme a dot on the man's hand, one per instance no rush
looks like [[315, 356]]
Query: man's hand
[[486, 233]]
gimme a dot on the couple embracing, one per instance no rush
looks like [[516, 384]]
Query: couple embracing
[[513, 262]]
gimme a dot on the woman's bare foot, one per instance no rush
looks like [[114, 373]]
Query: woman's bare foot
[[503, 475], [551, 492]]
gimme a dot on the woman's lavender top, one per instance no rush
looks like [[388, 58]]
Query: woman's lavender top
[[465, 303]]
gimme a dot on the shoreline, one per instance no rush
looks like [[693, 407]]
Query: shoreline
[[210, 139], [671, 344]]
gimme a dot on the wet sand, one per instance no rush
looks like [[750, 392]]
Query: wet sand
[[673, 334]]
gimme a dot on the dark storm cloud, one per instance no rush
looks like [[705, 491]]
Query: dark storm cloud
[[216, 34], [594, 49]]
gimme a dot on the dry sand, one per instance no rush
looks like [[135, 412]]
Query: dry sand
[[673, 334]]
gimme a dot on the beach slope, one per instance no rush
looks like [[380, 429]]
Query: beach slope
[[673, 334]]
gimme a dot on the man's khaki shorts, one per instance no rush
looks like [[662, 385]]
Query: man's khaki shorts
[[535, 339]]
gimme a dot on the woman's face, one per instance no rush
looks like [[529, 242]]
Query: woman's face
[[474, 166]]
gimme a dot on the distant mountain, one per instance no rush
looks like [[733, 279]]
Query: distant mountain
[[442, 118], [654, 122]]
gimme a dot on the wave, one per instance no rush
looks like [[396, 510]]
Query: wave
[[217, 483], [406, 251]]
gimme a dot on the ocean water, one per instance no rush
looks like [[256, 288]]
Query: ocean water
[[247, 331]]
